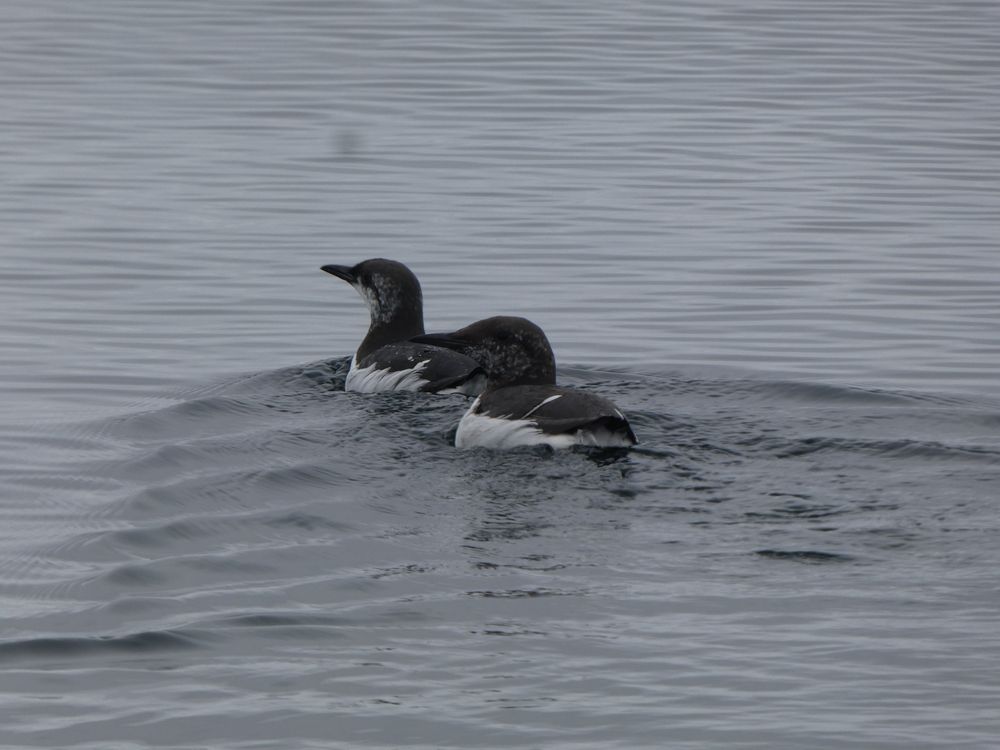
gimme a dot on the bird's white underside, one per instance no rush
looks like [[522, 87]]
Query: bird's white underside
[[481, 431], [371, 379]]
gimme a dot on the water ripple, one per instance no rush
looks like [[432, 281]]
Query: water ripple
[[768, 233]]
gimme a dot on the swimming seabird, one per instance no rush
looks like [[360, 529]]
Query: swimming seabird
[[522, 405], [387, 360]]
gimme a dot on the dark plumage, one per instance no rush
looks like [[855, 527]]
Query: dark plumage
[[386, 360], [522, 405]]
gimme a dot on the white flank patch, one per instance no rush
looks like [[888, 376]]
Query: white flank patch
[[481, 431], [373, 380]]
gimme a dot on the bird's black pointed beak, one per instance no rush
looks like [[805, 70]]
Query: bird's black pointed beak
[[341, 272], [444, 340]]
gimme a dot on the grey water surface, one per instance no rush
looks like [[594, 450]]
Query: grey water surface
[[768, 231]]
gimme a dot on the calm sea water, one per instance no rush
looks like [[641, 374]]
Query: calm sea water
[[769, 233]]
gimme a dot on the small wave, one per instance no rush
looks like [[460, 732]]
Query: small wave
[[131, 576], [799, 511], [146, 642], [316, 621], [900, 448], [230, 402], [280, 620], [189, 531], [813, 557], [826, 393], [522, 593], [160, 536]]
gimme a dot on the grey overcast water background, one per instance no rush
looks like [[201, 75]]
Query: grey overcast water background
[[768, 231]]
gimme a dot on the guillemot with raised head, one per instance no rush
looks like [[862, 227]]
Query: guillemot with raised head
[[387, 359], [522, 405]]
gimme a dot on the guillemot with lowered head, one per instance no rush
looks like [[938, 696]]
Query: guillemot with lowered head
[[522, 405], [387, 359]]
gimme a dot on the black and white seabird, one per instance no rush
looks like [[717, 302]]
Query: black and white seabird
[[522, 405], [387, 360]]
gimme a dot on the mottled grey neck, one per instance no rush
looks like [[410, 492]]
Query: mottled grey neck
[[397, 314]]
